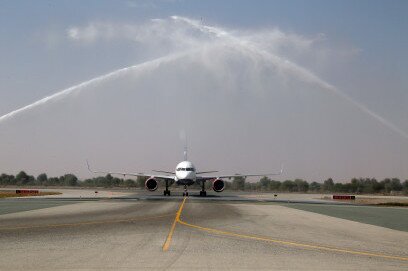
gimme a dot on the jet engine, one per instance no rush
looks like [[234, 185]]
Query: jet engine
[[218, 185], [151, 184]]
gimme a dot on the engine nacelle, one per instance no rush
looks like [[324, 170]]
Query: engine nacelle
[[218, 185], [151, 184]]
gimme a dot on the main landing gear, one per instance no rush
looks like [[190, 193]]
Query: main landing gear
[[167, 191], [203, 193]]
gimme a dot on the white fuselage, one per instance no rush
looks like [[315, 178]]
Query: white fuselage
[[185, 173]]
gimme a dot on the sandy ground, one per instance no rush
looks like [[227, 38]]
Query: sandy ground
[[287, 196], [78, 193]]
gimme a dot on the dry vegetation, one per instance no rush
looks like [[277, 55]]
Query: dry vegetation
[[12, 194], [383, 201], [386, 201]]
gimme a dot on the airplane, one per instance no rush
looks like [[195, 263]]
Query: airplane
[[185, 174]]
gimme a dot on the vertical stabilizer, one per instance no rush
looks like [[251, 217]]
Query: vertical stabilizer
[[185, 150]]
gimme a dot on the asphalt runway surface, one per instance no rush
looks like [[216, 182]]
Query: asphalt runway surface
[[173, 233]]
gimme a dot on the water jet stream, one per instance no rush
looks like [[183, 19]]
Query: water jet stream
[[77, 88], [291, 67], [241, 43]]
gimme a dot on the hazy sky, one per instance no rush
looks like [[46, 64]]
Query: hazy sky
[[318, 85]]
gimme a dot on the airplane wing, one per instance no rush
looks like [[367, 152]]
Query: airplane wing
[[205, 178], [206, 172], [163, 171], [164, 177]]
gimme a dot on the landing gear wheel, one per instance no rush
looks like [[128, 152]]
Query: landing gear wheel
[[167, 191], [203, 193], [185, 193]]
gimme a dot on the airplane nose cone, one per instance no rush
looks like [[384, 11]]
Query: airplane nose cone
[[186, 175]]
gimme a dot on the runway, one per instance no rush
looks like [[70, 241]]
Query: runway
[[190, 234]]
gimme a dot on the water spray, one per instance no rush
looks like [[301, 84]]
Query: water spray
[[242, 43], [292, 68], [78, 88]]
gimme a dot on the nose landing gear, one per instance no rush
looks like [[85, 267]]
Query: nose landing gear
[[185, 193]]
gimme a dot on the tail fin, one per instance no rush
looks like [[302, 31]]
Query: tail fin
[[183, 137], [185, 151]]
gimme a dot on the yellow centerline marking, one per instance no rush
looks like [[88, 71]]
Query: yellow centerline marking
[[167, 243], [82, 223], [290, 243], [269, 240]]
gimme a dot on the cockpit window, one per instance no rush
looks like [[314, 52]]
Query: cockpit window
[[185, 169]]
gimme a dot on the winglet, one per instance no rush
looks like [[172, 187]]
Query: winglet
[[185, 150], [281, 170], [89, 168]]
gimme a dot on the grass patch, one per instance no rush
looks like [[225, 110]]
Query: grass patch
[[399, 204], [392, 218]]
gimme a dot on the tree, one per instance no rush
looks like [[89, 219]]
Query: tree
[[129, 183], [108, 181], [22, 178], [265, 183], [387, 185], [274, 185], [315, 186], [117, 182], [42, 179], [377, 187], [7, 179], [301, 185], [328, 185], [405, 187], [53, 181], [250, 186], [141, 180], [70, 180], [228, 185], [238, 182], [288, 185], [339, 187], [396, 184]]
